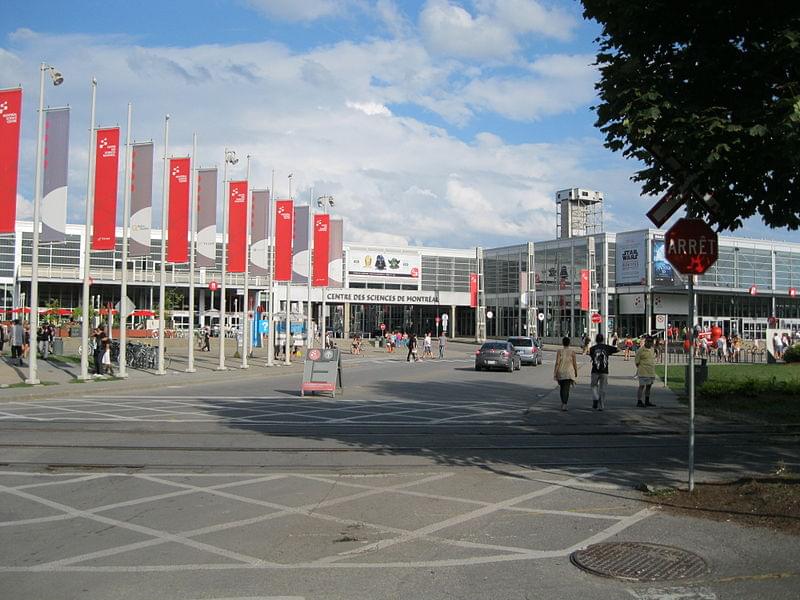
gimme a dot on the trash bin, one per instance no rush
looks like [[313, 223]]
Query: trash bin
[[700, 374], [74, 332], [58, 346]]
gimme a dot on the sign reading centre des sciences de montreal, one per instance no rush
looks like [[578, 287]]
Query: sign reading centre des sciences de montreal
[[381, 296]]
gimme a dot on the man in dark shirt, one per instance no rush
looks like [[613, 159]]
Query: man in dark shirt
[[600, 354], [99, 343]]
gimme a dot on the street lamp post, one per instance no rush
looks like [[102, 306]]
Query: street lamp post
[[324, 202], [33, 375], [87, 242], [230, 158], [162, 282]]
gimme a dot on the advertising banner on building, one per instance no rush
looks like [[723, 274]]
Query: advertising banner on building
[[664, 273], [585, 289], [284, 225], [10, 118], [206, 242], [105, 189], [300, 250], [259, 232], [237, 226], [56, 168], [473, 290], [631, 258], [141, 199], [336, 254], [178, 218], [384, 263], [322, 234]]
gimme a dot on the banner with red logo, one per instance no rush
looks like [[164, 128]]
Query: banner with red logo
[[105, 188], [319, 269], [584, 289], [178, 218], [10, 112], [284, 225], [473, 290], [237, 226]]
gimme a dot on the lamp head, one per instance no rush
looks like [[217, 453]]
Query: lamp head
[[55, 75]]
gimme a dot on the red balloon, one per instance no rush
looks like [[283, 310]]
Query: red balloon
[[716, 333]]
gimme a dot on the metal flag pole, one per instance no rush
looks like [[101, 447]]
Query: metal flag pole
[[163, 278], [287, 360], [271, 334], [126, 226], [87, 241], [310, 316], [229, 156], [192, 245], [248, 225]]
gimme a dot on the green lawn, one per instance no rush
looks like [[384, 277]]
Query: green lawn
[[762, 393]]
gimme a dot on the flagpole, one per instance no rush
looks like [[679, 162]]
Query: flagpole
[[287, 361], [126, 226], [229, 156], [248, 224], [87, 241], [271, 334], [163, 278], [309, 330], [192, 244]]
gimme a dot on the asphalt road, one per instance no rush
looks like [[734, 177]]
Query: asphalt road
[[424, 480]]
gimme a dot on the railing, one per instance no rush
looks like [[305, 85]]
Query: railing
[[141, 276]]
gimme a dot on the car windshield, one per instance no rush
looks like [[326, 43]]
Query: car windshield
[[521, 342], [494, 346]]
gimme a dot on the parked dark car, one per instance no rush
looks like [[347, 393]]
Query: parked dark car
[[528, 350], [497, 355]]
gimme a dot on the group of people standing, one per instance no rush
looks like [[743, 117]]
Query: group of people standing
[[427, 347], [18, 336], [565, 371]]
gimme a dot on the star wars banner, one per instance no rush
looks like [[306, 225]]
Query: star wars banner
[[54, 187], [105, 189], [206, 243], [178, 218], [302, 214], [336, 254], [141, 199], [259, 231], [10, 112]]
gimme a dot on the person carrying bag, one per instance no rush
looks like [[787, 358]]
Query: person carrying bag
[[565, 371]]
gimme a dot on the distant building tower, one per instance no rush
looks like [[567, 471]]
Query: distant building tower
[[578, 212]]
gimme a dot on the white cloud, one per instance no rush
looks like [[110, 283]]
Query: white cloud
[[298, 10], [370, 108], [24, 208]]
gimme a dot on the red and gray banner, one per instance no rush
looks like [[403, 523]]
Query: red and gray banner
[[473, 290], [259, 232], [10, 118], [336, 254], [237, 226], [300, 250], [178, 218], [322, 235], [105, 189], [141, 199], [56, 168], [284, 221], [206, 242], [584, 289]]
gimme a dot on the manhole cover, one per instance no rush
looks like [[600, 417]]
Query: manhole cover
[[636, 561]]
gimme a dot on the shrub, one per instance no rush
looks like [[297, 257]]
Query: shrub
[[749, 388], [792, 354]]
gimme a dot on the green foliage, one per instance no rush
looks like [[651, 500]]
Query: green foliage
[[749, 388], [706, 94], [792, 355]]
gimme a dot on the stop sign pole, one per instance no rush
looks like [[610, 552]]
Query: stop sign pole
[[691, 247]]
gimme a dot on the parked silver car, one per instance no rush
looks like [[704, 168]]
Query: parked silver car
[[497, 355], [528, 348]]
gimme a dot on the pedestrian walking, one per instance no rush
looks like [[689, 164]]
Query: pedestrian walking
[[427, 346], [565, 371], [17, 340], [442, 344], [412, 348], [777, 346], [3, 336], [646, 371], [107, 368], [600, 353], [99, 336], [628, 345], [206, 340]]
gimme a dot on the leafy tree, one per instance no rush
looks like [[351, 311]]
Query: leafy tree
[[706, 93]]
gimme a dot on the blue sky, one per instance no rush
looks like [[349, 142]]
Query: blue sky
[[436, 122]]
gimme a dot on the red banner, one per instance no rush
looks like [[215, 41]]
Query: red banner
[[237, 226], [105, 189], [473, 290], [284, 226], [584, 289], [178, 219], [10, 117], [322, 234]]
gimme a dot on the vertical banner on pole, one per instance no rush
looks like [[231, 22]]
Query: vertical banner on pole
[[237, 226], [322, 234], [178, 221], [336, 254], [284, 222], [259, 228], [584, 289], [300, 249], [105, 188], [206, 243], [10, 118], [473, 290], [54, 187], [141, 199]]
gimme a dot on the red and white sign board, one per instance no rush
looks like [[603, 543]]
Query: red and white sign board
[[597, 318], [213, 286], [691, 246]]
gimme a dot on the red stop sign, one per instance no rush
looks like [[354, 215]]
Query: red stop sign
[[213, 286], [597, 318], [691, 246]]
